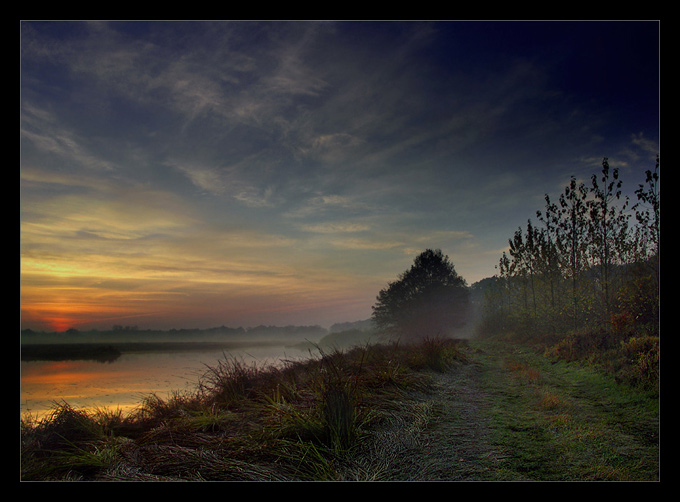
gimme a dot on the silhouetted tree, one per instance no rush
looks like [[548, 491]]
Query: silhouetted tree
[[572, 242], [549, 240], [608, 227], [586, 266], [429, 299], [647, 214]]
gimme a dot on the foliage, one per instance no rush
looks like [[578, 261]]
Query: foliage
[[589, 265], [630, 359], [428, 300]]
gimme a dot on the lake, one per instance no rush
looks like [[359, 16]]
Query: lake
[[123, 384]]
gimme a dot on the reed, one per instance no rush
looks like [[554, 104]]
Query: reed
[[307, 419]]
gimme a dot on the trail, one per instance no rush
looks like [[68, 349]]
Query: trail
[[458, 446], [498, 418]]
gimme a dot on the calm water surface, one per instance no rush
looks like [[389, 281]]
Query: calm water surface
[[125, 382]]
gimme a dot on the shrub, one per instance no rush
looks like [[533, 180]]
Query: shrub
[[642, 356], [630, 359]]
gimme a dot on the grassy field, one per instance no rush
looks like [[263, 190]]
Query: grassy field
[[448, 410], [568, 422]]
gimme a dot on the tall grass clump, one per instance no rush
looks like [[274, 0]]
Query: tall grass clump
[[67, 444], [339, 392], [231, 380], [441, 353], [311, 419], [437, 354], [326, 406]]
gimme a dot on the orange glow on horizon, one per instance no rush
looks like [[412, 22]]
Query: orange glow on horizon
[[59, 324], [189, 288], [59, 317]]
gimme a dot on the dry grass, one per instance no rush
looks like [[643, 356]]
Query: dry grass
[[523, 371], [323, 418]]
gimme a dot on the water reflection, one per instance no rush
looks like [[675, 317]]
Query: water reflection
[[122, 384]]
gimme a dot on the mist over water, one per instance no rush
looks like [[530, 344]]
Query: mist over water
[[126, 381], [163, 363]]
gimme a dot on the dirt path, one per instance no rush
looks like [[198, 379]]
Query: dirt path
[[457, 446], [510, 416]]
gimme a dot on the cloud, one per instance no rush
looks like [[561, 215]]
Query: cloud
[[336, 227], [647, 145], [205, 178], [201, 164], [42, 129], [331, 148]]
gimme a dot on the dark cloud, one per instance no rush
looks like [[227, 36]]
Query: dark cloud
[[320, 148]]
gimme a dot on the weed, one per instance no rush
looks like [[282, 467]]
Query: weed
[[363, 413], [550, 401], [230, 381], [523, 371]]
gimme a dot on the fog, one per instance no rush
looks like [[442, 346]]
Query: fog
[[222, 334]]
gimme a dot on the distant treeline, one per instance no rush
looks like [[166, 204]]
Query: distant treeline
[[107, 346], [103, 352], [73, 352], [132, 334]]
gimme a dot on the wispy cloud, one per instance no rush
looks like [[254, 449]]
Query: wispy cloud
[[208, 179], [264, 166], [336, 227]]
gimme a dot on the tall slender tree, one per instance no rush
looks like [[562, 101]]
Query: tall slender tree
[[586, 264], [608, 227], [573, 227], [647, 214], [549, 244]]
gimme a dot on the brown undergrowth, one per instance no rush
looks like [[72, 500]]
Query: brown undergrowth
[[326, 418]]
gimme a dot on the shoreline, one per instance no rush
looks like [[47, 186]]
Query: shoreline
[[108, 352]]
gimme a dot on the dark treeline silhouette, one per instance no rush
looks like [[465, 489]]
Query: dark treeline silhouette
[[132, 334], [102, 353], [591, 263]]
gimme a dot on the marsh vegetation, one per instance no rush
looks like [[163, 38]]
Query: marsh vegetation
[[561, 381]]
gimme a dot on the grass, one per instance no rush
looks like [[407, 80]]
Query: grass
[[631, 359], [566, 421], [370, 413], [304, 420]]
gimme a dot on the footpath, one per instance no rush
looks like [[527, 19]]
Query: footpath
[[510, 415]]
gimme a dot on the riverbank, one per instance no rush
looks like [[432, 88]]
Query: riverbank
[[108, 352], [439, 410]]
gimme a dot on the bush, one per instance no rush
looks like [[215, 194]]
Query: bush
[[642, 356], [633, 360]]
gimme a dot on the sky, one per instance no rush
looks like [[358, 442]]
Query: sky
[[238, 173]]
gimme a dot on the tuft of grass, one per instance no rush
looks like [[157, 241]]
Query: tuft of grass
[[230, 381], [68, 443], [436, 353], [523, 371], [550, 401], [333, 418]]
